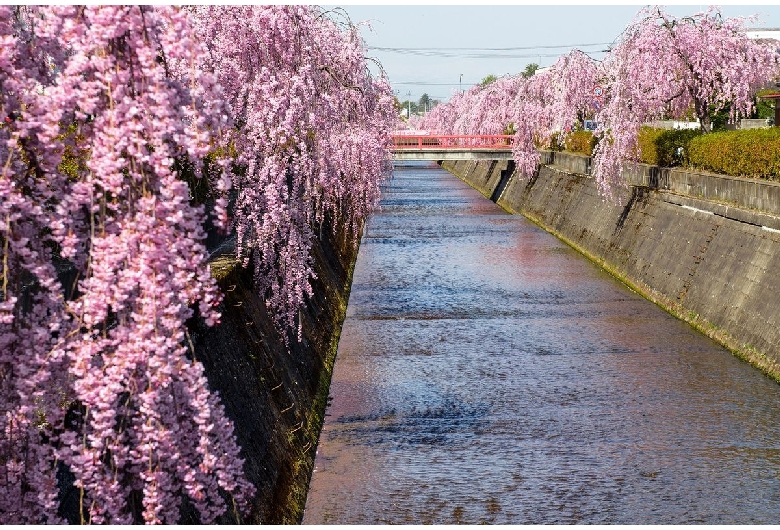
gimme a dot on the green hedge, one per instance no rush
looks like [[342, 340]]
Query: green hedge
[[580, 142], [665, 147], [748, 153]]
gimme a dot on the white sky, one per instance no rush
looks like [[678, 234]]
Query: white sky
[[496, 26]]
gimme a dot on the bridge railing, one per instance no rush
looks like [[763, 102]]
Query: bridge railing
[[435, 142]]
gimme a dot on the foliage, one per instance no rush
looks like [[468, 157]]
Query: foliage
[[720, 118], [551, 143], [580, 142], [487, 80], [751, 153], [764, 108], [426, 103], [665, 147], [412, 107], [530, 70], [646, 144], [419, 107], [110, 113]]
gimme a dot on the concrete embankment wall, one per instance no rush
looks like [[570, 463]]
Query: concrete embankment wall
[[705, 247], [275, 396]]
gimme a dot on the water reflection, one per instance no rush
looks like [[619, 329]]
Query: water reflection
[[488, 373]]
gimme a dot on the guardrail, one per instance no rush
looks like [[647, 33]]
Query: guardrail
[[461, 142]]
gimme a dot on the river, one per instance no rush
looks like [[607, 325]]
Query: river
[[488, 373]]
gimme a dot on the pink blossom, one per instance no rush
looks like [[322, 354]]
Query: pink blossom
[[311, 137], [665, 67], [96, 348], [96, 373]]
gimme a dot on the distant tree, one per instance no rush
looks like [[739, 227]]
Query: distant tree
[[487, 80], [530, 69], [410, 107], [424, 102], [763, 108]]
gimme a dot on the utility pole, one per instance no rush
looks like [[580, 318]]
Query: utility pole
[[460, 84], [409, 105]]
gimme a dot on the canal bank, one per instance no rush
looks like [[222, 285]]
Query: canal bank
[[704, 247], [275, 395]]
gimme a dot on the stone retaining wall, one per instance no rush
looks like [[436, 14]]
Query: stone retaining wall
[[704, 247], [275, 395]]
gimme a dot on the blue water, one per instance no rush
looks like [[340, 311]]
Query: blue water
[[488, 373]]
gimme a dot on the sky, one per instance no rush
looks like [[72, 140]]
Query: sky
[[466, 39]]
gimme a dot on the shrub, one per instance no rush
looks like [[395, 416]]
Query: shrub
[[646, 139], [550, 143], [751, 153], [555, 143], [580, 142], [665, 147]]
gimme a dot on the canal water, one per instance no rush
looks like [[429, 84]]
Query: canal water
[[488, 373]]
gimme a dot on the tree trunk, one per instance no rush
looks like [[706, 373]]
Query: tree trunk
[[702, 112]]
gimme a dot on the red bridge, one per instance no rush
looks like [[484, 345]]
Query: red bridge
[[451, 147]]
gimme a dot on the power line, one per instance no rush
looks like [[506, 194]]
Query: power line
[[514, 48], [487, 53], [482, 53], [425, 83], [450, 55]]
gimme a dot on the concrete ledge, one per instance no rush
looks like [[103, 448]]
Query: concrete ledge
[[744, 192], [741, 192], [751, 217], [567, 161]]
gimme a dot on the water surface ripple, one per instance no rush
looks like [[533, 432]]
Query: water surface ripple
[[488, 373]]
